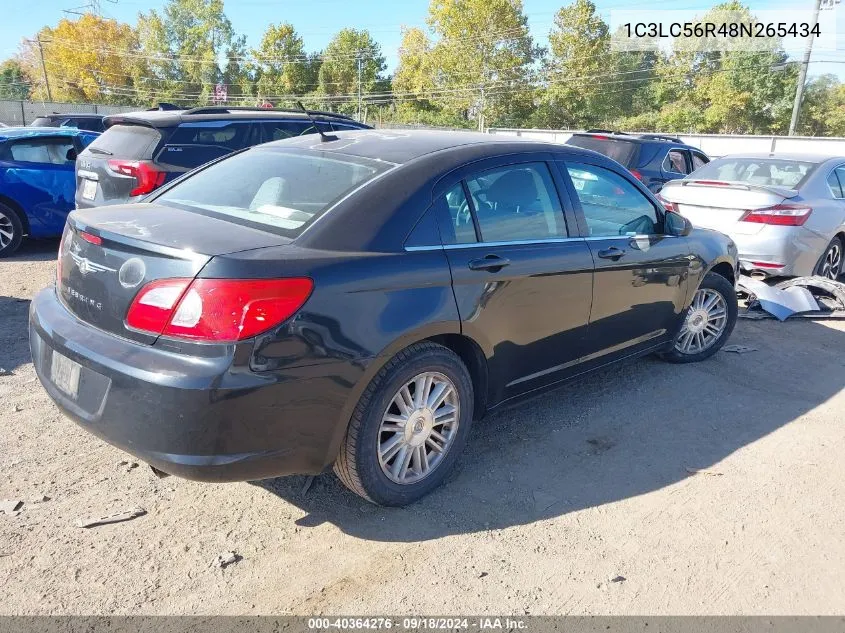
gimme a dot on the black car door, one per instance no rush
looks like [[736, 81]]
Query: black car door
[[522, 282], [641, 274]]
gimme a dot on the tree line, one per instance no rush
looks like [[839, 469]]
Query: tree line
[[475, 63]]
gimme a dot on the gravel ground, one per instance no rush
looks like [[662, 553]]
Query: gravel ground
[[584, 500]]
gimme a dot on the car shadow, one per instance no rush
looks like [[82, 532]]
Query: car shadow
[[615, 434], [34, 251], [14, 342]]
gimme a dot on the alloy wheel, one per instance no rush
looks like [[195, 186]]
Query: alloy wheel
[[418, 428], [832, 263], [7, 230], [705, 322]]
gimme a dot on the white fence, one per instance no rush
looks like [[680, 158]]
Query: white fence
[[716, 144], [25, 112]]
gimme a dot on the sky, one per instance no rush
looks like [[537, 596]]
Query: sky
[[317, 20]]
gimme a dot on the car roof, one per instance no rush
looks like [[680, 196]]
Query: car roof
[[401, 146], [167, 118], [24, 132], [803, 157], [637, 137]]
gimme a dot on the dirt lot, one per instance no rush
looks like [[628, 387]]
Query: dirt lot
[[552, 501]]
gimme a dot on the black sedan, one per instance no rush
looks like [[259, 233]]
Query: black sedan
[[358, 300]]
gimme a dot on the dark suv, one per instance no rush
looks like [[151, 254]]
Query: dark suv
[[652, 158], [91, 122], [140, 151]]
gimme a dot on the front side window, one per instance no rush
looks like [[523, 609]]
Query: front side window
[[611, 204], [675, 162], [45, 151], [516, 203], [282, 191]]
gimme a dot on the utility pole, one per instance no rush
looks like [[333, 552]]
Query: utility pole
[[44, 69], [802, 73], [360, 60]]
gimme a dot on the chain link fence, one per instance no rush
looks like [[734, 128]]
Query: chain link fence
[[25, 112]]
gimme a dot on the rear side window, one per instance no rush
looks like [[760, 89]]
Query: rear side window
[[45, 151], [278, 130], [698, 161], [675, 162], [196, 143], [622, 151], [128, 141], [282, 191], [517, 202], [834, 181]]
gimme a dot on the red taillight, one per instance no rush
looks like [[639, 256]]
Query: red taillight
[[671, 207], [216, 309], [637, 175], [145, 173], [779, 215], [67, 235], [91, 238]]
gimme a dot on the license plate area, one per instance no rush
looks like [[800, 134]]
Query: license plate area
[[65, 373], [89, 189]]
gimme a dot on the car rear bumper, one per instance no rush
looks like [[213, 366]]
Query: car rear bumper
[[204, 418], [780, 251]]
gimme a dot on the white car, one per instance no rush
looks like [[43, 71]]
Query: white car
[[785, 212]]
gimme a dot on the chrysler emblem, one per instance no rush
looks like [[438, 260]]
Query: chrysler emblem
[[86, 266]]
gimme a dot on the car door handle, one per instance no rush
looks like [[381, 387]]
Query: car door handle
[[611, 253], [492, 263]]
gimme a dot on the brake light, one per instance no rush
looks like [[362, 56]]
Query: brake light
[[637, 175], [96, 240], [779, 215], [714, 183], [601, 137], [67, 236], [671, 207], [147, 176], [766, 265], [216, 310]]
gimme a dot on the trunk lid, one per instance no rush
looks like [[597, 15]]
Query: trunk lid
[[721, 205], [107, 255], [99, 182]]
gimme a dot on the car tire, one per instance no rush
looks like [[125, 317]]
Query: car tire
[[832, 258], [11, 230], [720, 317], [363, 463]]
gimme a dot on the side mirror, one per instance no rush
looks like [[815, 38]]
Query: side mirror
[[71, 155], [676, 224]]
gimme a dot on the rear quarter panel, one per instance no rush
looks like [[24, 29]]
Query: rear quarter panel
[[365, 307]]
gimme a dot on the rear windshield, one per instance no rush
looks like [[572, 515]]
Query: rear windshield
[[624, 152], [273, 189], [127, 141], [756, 171]]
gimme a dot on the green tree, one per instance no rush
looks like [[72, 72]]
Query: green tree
[[823, 109], [413, 82], [184, 44], [87, 59], [338, 78], [482, 60], [283, 67], [14, 82]]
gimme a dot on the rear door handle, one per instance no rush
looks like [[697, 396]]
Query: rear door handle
[[492, 263], [611, 253]]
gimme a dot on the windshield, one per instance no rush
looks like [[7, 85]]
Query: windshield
[[277, 190], [756, 171], [624, 152]]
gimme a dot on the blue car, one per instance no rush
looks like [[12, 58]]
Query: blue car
[[37, 182]]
